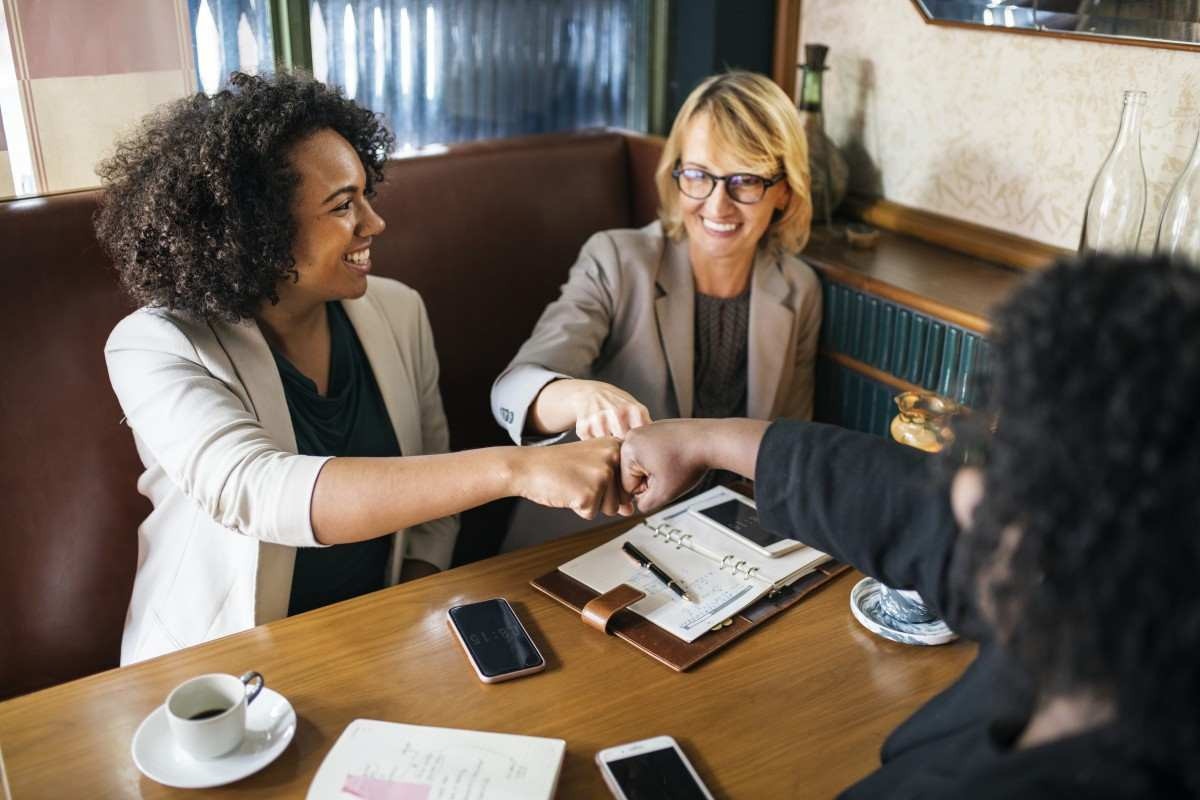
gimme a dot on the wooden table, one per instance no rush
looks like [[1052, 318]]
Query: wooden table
[[798, 708]]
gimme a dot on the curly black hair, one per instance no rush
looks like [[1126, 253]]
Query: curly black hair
[[196, 215], [1095, 386]]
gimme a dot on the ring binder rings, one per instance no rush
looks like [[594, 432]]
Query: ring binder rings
[[738, 590], [679, 538]]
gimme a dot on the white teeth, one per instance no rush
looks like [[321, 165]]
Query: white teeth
[[718, 227], [359, 257]]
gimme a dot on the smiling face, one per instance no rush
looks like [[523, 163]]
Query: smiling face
[[718, 228], [334, 222]]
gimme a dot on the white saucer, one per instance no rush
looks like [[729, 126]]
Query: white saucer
[[864, 603], [270, 726]]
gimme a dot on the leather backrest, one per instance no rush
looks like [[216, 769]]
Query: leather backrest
[[485, 232], [68, 544]]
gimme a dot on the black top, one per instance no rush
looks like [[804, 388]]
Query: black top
[[350, 420], [874, 504], [721, 334]]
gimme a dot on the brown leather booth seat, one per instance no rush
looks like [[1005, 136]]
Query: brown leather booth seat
[[485, 232]]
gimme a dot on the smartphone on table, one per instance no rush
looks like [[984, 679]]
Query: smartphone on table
[[495, 641], [652, 769], [737, 517]]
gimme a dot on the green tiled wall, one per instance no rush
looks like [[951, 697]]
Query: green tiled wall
[[852, 400], [908, 344]]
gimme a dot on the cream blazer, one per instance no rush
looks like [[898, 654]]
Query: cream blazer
[[626, 316], [231, 497]]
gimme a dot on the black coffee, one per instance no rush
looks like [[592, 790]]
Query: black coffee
[[208, 713]]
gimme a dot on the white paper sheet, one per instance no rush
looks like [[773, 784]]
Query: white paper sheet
[[375, 760], [721, 592]]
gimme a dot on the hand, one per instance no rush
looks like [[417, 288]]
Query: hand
[[581, 476], [661, 461], [602, 409], [595, 408]]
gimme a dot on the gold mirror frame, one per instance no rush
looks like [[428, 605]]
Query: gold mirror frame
[[1165, 44]]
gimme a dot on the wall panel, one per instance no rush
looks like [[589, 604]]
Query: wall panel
[[903, 343]]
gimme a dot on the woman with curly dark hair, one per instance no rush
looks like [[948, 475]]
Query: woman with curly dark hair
[[285, 403], [1071, 555]]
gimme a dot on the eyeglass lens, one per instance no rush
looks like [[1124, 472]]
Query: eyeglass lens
[[744, 188]]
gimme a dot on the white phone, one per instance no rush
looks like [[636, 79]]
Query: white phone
[[737, 516], [652, 769]]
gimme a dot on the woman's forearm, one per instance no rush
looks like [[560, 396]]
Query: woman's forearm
[[361, 498], [731, 444], [590, 408], [552, 411]]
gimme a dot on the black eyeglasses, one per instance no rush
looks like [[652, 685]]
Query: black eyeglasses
[[742, 187]]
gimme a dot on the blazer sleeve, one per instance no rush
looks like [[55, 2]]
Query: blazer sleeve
[[431, 541], [867, 501], [798, 404], [566, 341], [204, 438]]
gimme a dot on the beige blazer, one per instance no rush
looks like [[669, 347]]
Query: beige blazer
[[626, 316], [231, 497]]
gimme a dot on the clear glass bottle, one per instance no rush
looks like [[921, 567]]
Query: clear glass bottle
[[1179, 230], [1116, 204]]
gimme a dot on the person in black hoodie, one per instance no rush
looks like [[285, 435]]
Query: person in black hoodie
[[1061, 532]]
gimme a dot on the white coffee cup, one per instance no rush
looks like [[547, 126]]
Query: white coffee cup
[[207, 714]]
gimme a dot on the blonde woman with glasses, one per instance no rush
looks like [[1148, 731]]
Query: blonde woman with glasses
[[707, 312]]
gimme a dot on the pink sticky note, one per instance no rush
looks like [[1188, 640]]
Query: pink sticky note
[[378, 789]]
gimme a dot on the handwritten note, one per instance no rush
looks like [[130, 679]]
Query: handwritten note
[[375, 760]]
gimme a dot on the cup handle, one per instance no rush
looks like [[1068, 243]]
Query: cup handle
[[255, 678]]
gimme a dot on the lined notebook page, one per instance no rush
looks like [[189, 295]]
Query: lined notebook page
[[375, 760], [5, 791], [708, 540], [711, 565], [720, 593]]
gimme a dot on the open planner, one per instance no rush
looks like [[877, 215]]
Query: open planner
[[374, 760], [734, 586]]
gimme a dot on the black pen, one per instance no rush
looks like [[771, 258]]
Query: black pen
[[643, 560]]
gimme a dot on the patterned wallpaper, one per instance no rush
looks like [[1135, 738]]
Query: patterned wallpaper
[[1003, 130]]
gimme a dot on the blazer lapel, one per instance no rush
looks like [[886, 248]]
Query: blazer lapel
[[255, 368], [771, 324], [251, 357], [393, 371], [675, 309]]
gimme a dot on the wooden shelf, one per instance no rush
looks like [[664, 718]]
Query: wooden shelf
[[944, 284]]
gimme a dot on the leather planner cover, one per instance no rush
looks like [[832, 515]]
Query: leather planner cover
[[663, 646]]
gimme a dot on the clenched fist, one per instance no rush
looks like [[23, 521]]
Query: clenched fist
[[582, 476]]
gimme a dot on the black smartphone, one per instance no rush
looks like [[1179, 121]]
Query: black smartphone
[[495, 641], [738, 517]]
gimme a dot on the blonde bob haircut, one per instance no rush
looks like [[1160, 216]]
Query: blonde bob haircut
[[755, 122]]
